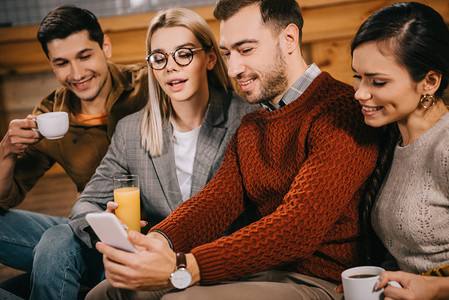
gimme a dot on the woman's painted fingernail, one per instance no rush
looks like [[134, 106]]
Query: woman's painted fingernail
[[376, 286]]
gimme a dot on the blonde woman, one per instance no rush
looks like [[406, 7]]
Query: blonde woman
[[175, 144]]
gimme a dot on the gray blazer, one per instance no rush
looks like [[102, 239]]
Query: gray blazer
[[159, 188]]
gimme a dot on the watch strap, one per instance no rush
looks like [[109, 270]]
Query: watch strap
[[181, 261]]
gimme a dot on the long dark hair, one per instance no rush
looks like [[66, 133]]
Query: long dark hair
[[419, 40], [416, 35], [372, 247]]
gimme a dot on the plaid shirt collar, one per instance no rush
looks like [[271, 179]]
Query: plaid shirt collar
[[296, 89]]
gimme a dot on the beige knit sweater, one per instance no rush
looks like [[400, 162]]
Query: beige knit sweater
[[411, 214]]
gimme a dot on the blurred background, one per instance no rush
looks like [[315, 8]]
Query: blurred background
[[27, 12]]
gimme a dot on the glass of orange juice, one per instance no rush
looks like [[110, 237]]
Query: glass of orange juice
[[127, 195]]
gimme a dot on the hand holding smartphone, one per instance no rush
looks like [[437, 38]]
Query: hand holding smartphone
[[108, 228]]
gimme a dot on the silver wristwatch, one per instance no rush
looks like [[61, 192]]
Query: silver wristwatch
[[181, 277]]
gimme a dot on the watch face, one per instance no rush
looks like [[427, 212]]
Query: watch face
[[181, 278]]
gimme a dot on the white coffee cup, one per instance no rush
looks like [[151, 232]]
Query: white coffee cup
[[359, 283], [53, 125]]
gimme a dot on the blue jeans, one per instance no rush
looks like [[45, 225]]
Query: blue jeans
[[47, 247]]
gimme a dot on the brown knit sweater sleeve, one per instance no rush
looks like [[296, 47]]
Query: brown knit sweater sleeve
[[209, 218], [300, 217]]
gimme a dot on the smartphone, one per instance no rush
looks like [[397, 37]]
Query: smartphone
[[109, 230]]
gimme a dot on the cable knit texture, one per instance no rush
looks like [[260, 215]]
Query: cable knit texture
[[303, 166], [411, 214]]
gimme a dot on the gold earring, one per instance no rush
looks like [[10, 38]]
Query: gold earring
[[427, 101]]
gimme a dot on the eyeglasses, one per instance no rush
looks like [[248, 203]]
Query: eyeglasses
[[182, 56]]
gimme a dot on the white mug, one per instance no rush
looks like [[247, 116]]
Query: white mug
[[359, 282], [53, 125]]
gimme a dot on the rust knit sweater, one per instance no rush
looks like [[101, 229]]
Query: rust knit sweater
[[304, 167]]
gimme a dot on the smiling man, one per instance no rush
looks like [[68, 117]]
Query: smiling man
[[301, 163], [96, 94], [83, 68]]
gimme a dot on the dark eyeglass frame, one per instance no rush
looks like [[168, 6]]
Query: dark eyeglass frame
[[173, 54]]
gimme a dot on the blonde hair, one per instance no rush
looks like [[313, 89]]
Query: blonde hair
[[159, 110]]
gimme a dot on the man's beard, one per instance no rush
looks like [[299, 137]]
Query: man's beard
[[273, 82]]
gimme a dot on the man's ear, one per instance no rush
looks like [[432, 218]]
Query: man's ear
[[212, 59], [107, 46], [290, 37], [431, 83]]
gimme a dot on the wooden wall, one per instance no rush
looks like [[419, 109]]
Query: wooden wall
[[329, 27]]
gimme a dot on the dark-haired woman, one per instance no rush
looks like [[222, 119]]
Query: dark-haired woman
[[401, 64]]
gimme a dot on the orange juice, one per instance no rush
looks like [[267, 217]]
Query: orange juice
[[128, 199]]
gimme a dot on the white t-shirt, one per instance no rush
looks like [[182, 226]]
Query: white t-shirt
[[185, 148]]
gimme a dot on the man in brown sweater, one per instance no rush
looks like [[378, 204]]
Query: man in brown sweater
[[301, 163]]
